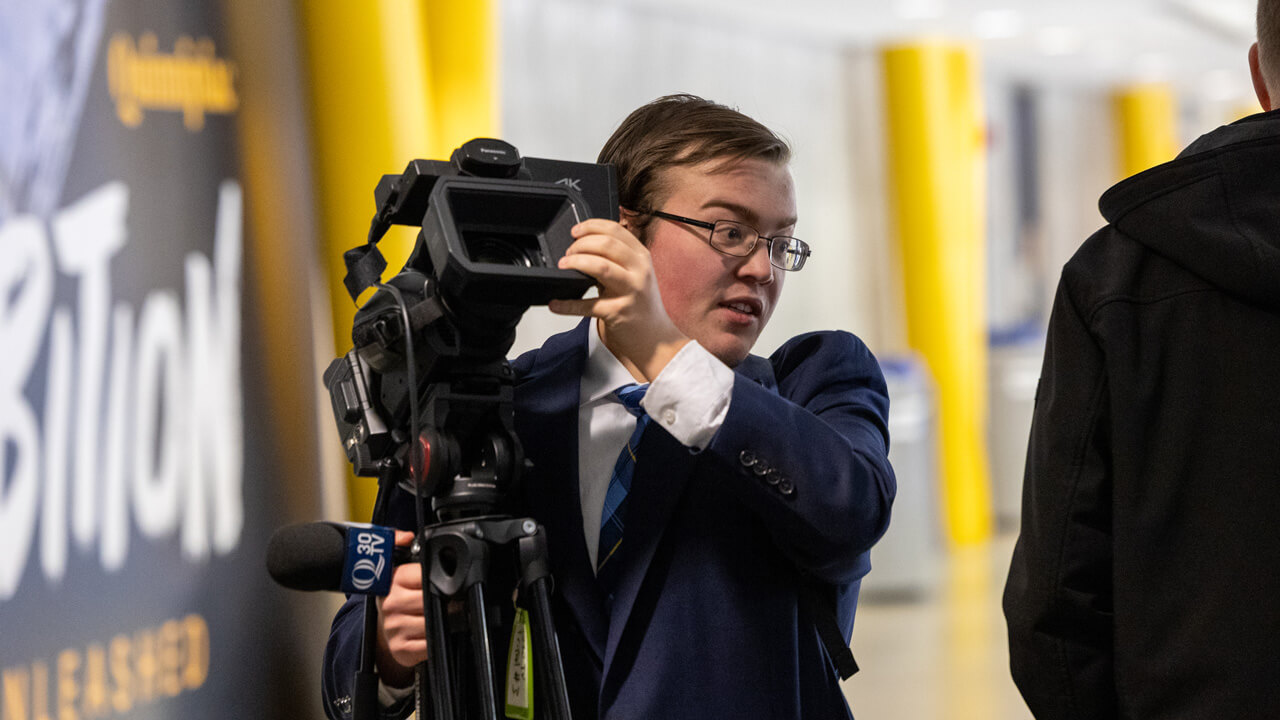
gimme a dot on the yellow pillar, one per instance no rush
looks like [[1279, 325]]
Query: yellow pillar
[[937, 180], [463, 43], [371, 114], [390, 81], [1146, 127]]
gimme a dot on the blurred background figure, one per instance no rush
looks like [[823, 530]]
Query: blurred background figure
[[178, 185]]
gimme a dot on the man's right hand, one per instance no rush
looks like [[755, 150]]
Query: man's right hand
[[634, 324]]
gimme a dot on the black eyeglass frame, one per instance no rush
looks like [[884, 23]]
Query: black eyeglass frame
[[803, 251]]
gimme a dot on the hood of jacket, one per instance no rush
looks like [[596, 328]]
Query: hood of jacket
[[1214, 210]]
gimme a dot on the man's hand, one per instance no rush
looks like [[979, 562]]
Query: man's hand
[[633, 323], [402, 629]]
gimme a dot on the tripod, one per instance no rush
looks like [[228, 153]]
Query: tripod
[[466, 458], [455, 562]]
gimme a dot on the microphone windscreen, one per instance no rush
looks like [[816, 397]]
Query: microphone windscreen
[[307, 556]]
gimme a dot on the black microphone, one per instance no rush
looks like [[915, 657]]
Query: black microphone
[[340, 557]]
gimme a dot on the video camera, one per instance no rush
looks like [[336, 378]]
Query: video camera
[[424, 397], [493, 227]]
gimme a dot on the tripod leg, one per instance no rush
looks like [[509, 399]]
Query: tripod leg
[[366, 691], [482, 652], [437, 683], [547, 650], [536, 581]]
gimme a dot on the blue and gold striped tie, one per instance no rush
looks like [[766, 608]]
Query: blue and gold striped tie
[[613, 517]]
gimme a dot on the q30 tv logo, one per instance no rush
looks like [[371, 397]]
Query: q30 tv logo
[[368, 556]]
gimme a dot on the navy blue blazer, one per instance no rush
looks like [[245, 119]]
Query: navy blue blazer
[[794, 488]]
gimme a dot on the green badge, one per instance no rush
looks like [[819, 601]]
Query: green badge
[[520, 670]]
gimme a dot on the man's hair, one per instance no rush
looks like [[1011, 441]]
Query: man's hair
[[681, 130], [1269, 41]]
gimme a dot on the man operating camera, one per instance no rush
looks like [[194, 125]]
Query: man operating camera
[[693, 494]]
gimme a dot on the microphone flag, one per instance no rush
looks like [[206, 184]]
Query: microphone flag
[[366, 569]]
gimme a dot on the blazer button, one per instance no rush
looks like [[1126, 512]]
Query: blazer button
[[786, 487], [773, 477], [761, 469], [747, 458]]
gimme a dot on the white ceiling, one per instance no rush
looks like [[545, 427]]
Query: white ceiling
[[1198, 45]]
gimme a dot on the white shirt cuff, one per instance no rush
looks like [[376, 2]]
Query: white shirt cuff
[[690, 397]]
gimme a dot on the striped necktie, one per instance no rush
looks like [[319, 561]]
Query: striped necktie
[[613, 516]]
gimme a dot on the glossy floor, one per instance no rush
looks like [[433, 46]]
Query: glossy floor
[[942, 655]]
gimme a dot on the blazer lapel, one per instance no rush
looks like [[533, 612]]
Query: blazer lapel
[[758, 370], [662, 474], [546, 420]]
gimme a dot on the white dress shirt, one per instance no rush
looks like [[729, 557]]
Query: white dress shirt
[[689, 399]]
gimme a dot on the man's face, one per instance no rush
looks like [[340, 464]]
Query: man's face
[[719, 300]]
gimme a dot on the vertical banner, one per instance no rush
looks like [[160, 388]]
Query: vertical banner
[[138, 482]]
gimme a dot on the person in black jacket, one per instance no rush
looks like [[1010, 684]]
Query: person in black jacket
[[1145, 581]]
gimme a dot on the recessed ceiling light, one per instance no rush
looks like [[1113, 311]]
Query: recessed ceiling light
[[997, 24], [1232, 18], [920, 9], [1058, 40]]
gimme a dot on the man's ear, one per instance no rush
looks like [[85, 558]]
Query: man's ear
[[627, 218], [1259, 82]]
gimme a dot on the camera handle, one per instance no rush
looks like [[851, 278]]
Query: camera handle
[[455, 562]]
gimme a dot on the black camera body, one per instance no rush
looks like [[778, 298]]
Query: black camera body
[[426, 387], [495, 224]]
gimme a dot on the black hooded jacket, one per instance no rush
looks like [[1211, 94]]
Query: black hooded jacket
[[1146, 579]]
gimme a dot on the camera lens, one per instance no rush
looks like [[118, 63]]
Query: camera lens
[[517, 250]]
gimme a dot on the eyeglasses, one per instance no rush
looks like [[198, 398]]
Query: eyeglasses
[[739, 239]]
